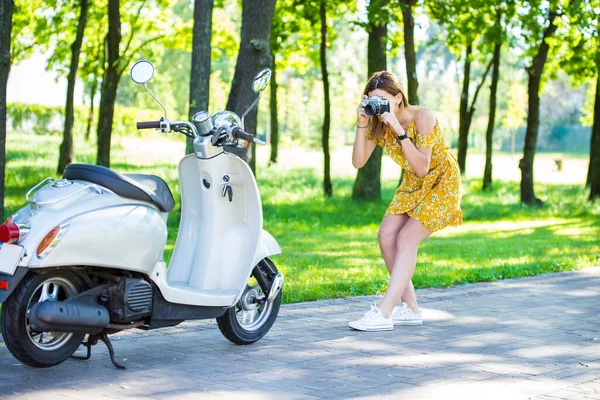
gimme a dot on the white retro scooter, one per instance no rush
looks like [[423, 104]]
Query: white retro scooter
[[85, 256]]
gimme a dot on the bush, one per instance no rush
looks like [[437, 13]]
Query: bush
[[49, 120]]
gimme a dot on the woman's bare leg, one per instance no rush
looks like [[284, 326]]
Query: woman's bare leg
[[388, 243], [409, 238], [388, 237]]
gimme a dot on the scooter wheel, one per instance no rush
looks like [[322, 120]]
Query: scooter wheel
[[39, 349], [246, 322]]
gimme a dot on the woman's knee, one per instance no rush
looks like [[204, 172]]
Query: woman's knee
[[386, 237]]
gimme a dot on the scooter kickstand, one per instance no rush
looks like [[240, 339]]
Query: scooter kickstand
[[93, 340], [88, 345], [104, 337]]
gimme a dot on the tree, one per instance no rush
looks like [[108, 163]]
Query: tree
[[317, 13], [91, 68], [367, 185], [495, 35], [142, 31], [66, 148], [465, 22], [110, 83], [286, 23], [580, 56], [254, 54], [6, 13], [327, 118], [201, 52], [540, 35], [594, 168], [595, 136], [489, 134], [467, 111], [274, 142], [409, 49]]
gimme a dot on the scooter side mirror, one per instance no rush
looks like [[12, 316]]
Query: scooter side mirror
[[259, 83], [142, 71], [261, 80]]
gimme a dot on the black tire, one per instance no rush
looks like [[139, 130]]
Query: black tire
[[17, 335], [233, 329]]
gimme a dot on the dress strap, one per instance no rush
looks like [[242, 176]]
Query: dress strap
[[415, 114]]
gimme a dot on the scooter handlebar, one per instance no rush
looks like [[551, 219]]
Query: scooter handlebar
[[238, 133], [148, 125]]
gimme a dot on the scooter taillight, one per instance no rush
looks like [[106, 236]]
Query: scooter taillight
[[9, 233]]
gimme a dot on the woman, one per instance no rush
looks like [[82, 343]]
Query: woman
[[427, 200]]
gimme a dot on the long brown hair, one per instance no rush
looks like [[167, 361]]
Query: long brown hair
[[387, 81]]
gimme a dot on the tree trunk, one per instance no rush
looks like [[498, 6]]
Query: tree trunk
[[90, 120], [368, 179], [327, 118], [595, 129], [274, 116], [254, 54], [200, 71], [6, 11], [409, 50], [110, 83], [489, 135], [464, 117], [594, 170], [66, 148], [534, 73]]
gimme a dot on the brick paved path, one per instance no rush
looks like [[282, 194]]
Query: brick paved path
[[530, 338]]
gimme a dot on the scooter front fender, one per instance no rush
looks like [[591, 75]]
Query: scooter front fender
[[267, 247]]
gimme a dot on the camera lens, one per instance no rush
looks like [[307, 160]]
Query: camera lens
[[369, 109]]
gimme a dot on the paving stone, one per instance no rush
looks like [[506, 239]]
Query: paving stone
[[472, 345]]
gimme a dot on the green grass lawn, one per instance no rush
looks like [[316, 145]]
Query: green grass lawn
[[330, 245]]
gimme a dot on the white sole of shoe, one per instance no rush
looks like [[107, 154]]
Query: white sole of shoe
[[371, 329], [411, 323]]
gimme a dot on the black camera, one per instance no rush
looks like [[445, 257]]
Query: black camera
[[376, 105]]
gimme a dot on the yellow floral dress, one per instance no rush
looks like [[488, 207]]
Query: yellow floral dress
[[433, 200]]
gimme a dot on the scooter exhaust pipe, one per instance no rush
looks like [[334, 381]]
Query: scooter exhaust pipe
[[70, 316]]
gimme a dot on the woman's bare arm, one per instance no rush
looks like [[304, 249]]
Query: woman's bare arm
[[363, 148], [419, 158]]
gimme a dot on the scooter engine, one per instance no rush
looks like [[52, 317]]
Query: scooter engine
[[129, 300]]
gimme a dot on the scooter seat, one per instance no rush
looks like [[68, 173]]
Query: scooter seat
[[149, 188]]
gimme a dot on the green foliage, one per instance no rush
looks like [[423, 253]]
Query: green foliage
[[37, 116], [580, 52], [464, 20], [48, 120], [23, 36], [532, 20]]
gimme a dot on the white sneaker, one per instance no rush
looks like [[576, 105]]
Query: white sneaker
[[373, 320], [405, 316]]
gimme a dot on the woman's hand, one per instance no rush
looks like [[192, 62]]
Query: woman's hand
[[390, 120], [363, 118]]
